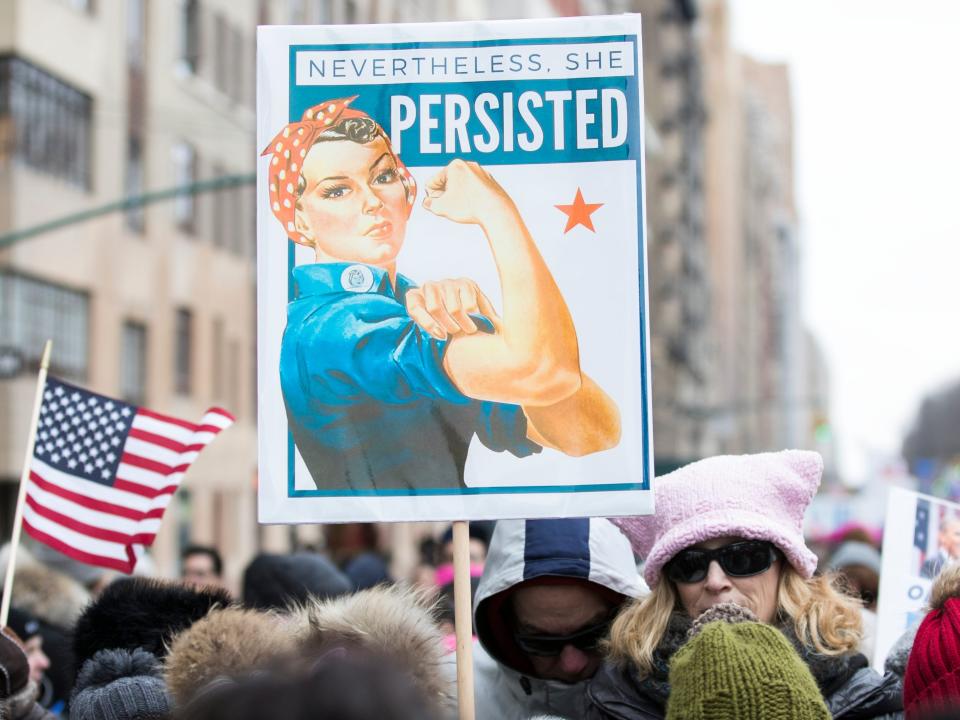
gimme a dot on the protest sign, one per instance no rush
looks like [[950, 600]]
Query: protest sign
[[921, 535], [451, 271]]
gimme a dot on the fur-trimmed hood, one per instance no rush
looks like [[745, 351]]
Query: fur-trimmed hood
[[52, 596], [231, 642], [391, 621]]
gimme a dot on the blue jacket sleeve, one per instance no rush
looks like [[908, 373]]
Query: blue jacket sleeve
[[366, 346]]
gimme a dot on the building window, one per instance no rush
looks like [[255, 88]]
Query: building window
[[190, 36], [49, 121], [135, 216], [221, 209], [233, 377], [221, 60], [35, 311], [218, 357], [82, 5], [185, 174], [183, 349], [133, 363], [136, 26]]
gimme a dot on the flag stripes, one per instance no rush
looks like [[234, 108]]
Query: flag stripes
[[103, 473]]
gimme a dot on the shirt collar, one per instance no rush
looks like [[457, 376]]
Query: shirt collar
[[327, 278]]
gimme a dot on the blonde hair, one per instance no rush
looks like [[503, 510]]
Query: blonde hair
[[822, 617]]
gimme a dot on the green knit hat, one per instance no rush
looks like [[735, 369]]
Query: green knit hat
[[741, 670]]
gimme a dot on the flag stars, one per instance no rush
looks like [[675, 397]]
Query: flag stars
[[58, 391], [88, 468], [71, 464]]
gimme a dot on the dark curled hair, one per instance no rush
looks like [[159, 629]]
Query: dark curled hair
[[358, 130]]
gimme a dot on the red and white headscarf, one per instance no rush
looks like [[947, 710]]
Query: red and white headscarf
[[290, 147]]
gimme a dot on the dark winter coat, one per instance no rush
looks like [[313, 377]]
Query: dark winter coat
[[850, 688]]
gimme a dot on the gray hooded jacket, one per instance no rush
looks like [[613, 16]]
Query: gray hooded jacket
[[592, 550]]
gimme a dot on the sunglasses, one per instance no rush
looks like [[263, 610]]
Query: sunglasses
[[739, 559], [586, 639]]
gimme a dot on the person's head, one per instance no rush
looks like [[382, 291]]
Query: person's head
[[859, 564], [228, 642], [727, 570], [479, 542], [201, 566], [338, 187], [276, 582], [931, 681], [17, 689], [27, 627], [949, 538], [729, 529], [548, 593], [560, 626], [122, 685], [142, 613], [339, 684]]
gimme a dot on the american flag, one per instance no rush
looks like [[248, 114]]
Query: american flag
[[103, 471]]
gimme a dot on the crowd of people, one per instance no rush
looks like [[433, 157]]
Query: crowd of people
[[713, 607]]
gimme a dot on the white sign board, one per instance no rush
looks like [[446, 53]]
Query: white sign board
[[452, 317], [921, 535]]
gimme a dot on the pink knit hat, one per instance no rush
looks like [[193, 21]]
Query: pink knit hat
[[760, 497]]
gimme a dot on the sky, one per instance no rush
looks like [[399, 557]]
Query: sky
[[877, 151]]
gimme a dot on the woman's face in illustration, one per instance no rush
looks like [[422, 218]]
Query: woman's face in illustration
[[354, 205]]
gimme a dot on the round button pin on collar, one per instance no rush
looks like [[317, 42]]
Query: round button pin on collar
[[357, 278]]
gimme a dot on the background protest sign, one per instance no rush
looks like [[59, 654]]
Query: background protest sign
[[451, 272], [921, 535]]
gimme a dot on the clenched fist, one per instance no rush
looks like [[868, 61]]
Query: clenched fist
[[466, 193]]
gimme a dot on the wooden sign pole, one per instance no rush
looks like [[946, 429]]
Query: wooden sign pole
[[463, 618], [24, 477]]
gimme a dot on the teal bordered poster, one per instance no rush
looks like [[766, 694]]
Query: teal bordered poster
[[451, 270]]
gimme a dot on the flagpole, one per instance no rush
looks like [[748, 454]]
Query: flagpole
[[24, 477]]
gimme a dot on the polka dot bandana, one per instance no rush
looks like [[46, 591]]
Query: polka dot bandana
[[290, 147]]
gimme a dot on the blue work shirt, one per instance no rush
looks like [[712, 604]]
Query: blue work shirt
[[367, 398]]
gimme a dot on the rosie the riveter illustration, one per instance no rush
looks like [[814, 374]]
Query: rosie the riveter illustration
[[385, 382]]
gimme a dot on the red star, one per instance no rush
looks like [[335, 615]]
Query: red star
[[578, 213]]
